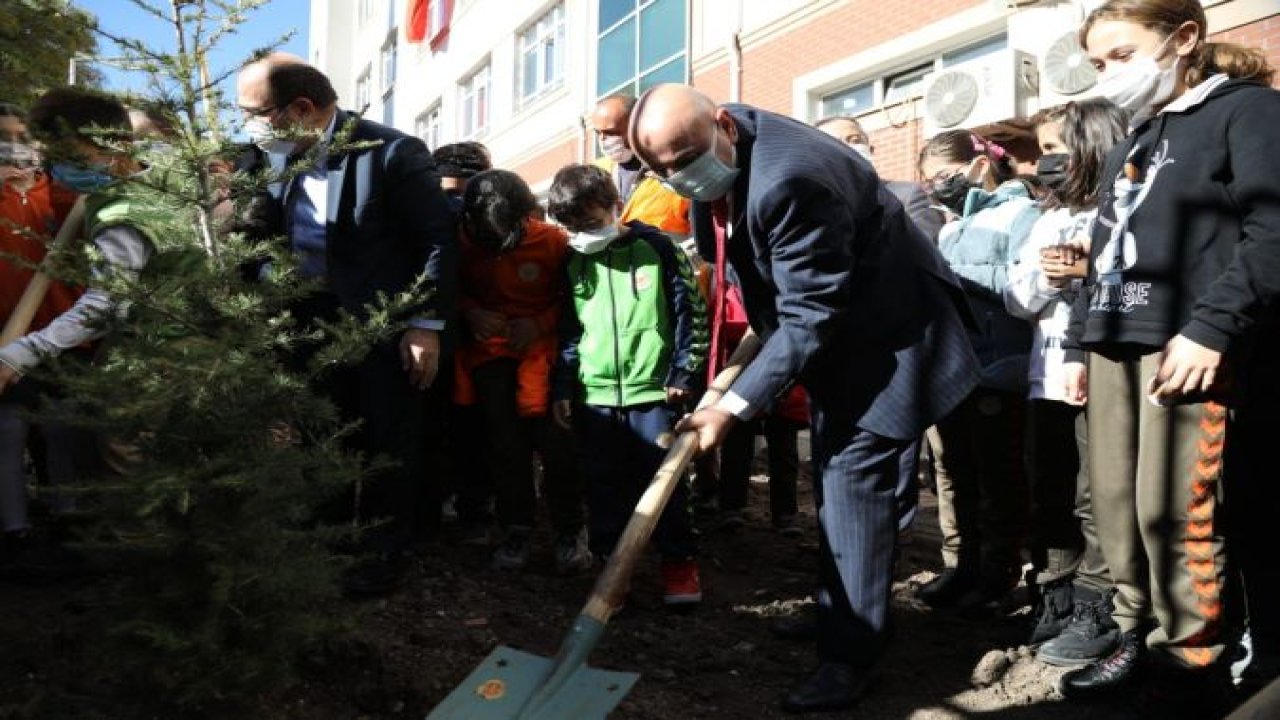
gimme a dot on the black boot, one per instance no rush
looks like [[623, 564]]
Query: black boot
[[1057, 605], [1105, 676], [833, 686], [1090, 636], [947, 589]]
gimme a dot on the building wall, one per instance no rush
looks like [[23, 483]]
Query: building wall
[[792, 53]]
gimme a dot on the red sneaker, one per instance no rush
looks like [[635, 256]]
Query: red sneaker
[[680, 582]]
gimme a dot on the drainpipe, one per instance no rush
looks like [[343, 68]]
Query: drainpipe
[[735, 67], [688, 42], [584, 138]]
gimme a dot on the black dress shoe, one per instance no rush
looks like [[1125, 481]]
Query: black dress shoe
[[1107, 675], [833, 686]]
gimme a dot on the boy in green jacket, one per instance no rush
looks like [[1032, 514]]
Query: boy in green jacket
[[633, 343]]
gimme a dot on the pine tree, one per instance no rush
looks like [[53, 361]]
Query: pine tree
[[211, 534]]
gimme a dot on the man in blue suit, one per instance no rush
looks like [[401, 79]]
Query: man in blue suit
[[363, 222], [849, 299]]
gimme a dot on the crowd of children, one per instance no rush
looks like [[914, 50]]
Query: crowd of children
[[1125, 304]]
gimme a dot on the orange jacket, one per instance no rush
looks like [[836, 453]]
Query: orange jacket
[[524, 282], [653, 204], [40, 211]]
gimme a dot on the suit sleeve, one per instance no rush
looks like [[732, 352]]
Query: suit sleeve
[[420, 206], [810, 236], [1251, 282], [922, 212]]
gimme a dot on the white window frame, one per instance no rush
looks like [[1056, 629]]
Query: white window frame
[[428, 125], [883, 83], [387, 59], [535, 37], [475, 91], [364, 11], [436, 18], [364, 91]]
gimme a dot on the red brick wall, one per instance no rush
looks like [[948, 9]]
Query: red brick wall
[[543, 166], [1263, 34]]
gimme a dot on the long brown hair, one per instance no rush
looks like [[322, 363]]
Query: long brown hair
[[1089, 128], [1166, 16]]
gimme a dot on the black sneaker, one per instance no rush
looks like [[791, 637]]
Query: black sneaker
[[1106, 676], [946, 589], [1091, 635], [1056, 609]]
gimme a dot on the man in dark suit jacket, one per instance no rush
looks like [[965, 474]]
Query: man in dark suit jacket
[[363, 222], [849, 299]]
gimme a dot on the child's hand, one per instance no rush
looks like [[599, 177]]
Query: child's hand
[[485, 323], [676, 396], [521, 332], [562, 412], [8, 377], [1077, 383]]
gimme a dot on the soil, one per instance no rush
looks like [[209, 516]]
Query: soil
[[720, 661]]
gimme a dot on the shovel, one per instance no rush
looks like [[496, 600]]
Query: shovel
[[20, 319], [514, 685]]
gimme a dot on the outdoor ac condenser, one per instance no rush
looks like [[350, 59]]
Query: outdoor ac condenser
[[992, 88]]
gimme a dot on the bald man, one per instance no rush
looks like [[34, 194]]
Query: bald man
[[362, 223], [851, 300]]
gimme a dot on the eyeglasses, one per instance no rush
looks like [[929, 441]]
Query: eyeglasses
[[943, 175]]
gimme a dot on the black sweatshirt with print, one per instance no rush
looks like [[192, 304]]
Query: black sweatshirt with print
[[1188, 233]]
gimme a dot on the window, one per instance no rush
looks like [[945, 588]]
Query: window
[[852, 101], [427, 126], [388, 110], [438, 17], [475, 103], [906, 85], [362, 91], [364, 11], [902, 85], [387, 62], [641, 43], [542, 55]]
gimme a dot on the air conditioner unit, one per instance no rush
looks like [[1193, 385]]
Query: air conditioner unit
[[1065, 72], [992, 88]]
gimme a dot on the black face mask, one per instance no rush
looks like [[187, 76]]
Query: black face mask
[[1051, 170], [953, 191]]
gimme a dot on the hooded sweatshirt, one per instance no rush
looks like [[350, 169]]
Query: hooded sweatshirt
[[1187, 239]]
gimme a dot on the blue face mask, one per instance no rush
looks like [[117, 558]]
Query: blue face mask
[[82, 179]]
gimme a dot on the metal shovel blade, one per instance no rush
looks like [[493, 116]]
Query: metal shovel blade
[[502, 685]]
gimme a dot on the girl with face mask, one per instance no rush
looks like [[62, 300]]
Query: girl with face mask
[[981, 480], [1179, 316], [1073, 623]]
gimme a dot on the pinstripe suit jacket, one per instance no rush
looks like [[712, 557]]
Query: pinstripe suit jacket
[[847, 295]]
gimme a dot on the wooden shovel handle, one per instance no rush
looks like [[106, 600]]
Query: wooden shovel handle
[[611, 586], [20, 319]]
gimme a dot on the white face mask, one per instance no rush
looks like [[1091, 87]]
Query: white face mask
[[264, 136], [1140, 83], [863, 150], [594, 241], [705, 179], [615, 148]]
